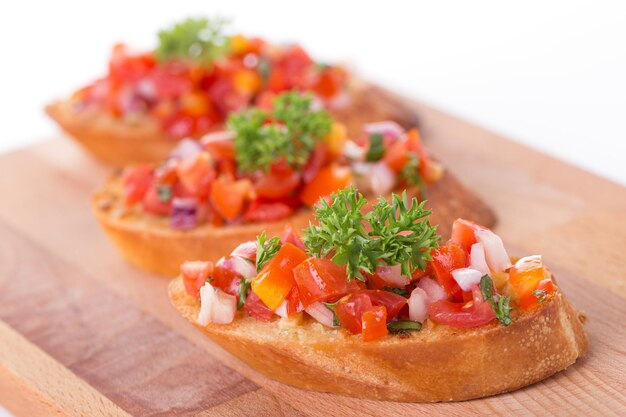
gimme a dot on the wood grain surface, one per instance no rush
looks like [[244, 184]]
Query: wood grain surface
[[84, 334]]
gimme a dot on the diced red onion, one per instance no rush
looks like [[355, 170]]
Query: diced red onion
[[246, 250], [386, 128], [281, 310], [353, 151], [217, 136], [184, 213], [466, 277], [418, 305], [432, 288], [392, 276], [243, 267], [477, 258], [320, 313], [339, 101], [382, 179], [497, 258], [185, 149], [146, 89], [216, 306]]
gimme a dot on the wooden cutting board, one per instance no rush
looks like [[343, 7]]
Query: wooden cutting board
[[84, 334]]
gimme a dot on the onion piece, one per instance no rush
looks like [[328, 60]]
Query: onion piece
[[246, 250], [386, 128], [382, 179], [281, 310], [353, 151], [184, 213], [466, 277], [392, 276], [186, 148], [418, 305], [495, 254], [434, 291], [243, 267], [477, 258], [217, 136], [216, 306], [321, 313]]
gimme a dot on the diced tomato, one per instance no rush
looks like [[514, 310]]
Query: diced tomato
[[228, 196], [226, 279], [396, 156], [350, 309], [291, 236], [315, 163], [276, 184], [255, 307], [196, 174], [392, 302], [374, 324], [525, 277], [221, 149], [327, 181], [152, 202], [463, 233], [137, 180], [276, 279], [321, 279], [446, 259], [328, 83], [195, 275], [170, 82], [267, 212], [294, 304], [471, 314], [129, 68], [265, 100]]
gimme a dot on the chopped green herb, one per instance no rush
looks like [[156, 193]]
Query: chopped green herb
[[244, 288], [264, 68], [331, 307], [410, 172], [399, 291], [376, 149], [501, 306], [200, 40], [164, 192], [404, 326], [265, 250], [400, 233], [292, 135], [540, 295]]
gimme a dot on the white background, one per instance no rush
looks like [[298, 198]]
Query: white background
[[548, 74]]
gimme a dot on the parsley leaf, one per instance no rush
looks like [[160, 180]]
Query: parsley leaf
[[265, 250], [403, 326], [164, 192], [376, 149], [400, 233], [410, 172], [244, 288], [200, 40], [501, 306], [294, 130], [399, 291]]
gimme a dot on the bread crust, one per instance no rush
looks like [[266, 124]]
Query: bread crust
[[140, 139], [149, 242], [438, 363]]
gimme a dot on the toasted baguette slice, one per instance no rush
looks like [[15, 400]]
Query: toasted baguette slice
[[149, 242], [438, 363], [140, 139]]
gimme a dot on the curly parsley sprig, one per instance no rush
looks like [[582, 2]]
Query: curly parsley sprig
[[265, 249], [200, 40], [290, 132], [399, 233]]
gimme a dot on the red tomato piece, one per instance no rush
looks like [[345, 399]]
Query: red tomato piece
[[525, 277], [291, 236], [315, 162], [294, 304], [321, 279], [374, 324], [226, 278], [446, 259], [267, 212], [137, 180], [276, 279], [472, 314], [228, 196], [396, 156], [152, 203], [463, 233], [328, 83], [277, 184], [196, 174], [393, 303], [327, 181], [195, 275], [221, 149], [349, 310], [255, 308]]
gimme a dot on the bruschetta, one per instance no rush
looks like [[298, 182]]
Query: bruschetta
[[377, 306], [189, 84], [270, 167]]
